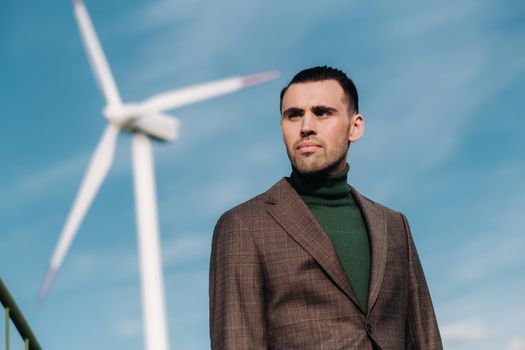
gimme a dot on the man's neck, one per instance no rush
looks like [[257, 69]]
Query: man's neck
[[321, 185]]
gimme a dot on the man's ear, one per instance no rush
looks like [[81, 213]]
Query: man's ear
[[357, 127]]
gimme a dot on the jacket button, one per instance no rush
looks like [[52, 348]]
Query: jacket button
[[369, 328]]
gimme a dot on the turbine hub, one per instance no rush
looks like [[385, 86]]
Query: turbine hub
[[123, 114]]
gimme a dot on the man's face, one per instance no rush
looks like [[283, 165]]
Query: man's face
[[317, 126]]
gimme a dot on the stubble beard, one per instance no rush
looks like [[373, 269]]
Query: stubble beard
[[321, 163]]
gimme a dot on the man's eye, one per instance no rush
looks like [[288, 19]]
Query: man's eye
[[294, 115], [321, 112]]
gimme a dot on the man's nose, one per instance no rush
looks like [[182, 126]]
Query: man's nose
[[308, 126]]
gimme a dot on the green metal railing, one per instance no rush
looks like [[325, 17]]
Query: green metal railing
[[12, 313]]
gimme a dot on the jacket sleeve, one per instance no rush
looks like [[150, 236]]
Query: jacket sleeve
[[422, 331], [237, 318]]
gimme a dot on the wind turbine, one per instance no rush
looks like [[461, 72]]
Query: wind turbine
[[144, 119]]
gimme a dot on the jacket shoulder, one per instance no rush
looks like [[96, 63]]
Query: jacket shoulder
[[387, 211], [258, 203], [237, 224]]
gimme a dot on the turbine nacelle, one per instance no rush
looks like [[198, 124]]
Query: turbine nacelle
[[134, 117], [158, 125]]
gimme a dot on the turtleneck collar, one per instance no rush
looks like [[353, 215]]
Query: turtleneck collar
[[326, 187]]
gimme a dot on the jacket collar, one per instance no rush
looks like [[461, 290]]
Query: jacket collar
[[292, 214], [375, 221]]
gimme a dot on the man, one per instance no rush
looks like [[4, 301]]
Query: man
[[311, 263]]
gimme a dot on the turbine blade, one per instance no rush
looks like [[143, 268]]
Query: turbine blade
[[96, 172], [46, 284], [96, 56], [185, 96]]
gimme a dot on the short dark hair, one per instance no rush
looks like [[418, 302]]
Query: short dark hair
[[321, 73]]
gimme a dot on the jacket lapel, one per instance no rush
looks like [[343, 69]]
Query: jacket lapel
[[375, 221], [293, 215]]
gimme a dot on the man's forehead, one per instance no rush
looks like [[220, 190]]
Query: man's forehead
[[324, 92]]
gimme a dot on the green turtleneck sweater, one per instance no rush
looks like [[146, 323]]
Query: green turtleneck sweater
[[331, 202]]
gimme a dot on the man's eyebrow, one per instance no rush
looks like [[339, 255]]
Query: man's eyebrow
[[324, 108], [293, 110]]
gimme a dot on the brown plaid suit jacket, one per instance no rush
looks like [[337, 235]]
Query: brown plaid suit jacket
[[277, 283]]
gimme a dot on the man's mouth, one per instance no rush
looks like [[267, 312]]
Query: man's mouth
[[308, 146]]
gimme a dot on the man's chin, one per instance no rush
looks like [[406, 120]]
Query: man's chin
[[311, 168]]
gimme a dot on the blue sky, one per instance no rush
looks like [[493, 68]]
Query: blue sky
[[441, 87]]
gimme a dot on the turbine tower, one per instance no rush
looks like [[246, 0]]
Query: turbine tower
[[144, 119]]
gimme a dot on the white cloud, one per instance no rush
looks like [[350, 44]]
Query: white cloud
[[122, 265], [85, 268], [485, 279], [186, 248], [183, 20], [66, 174], [516, 344], [464, 331], [127, 328], [27, 187], [421, 112], [437, 16], [221, 193], [499, 232]]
